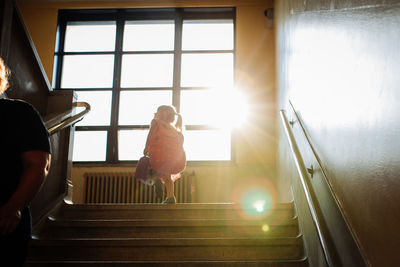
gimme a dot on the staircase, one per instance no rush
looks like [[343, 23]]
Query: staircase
[[167, 235]]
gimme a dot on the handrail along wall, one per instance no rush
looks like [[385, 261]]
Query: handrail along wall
[[323, 236], [62, 122], [338, 240]]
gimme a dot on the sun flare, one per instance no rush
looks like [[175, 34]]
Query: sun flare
[[227, 109], [237, 109]]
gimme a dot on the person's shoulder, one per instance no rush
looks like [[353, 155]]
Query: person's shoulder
[[18, 104], [23, 110], [154, 122]]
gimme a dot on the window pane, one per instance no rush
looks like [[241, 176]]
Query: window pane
[[152, 35], [147, 70], [225, 108], [87, 71], [131, 144], [207, 70], [208, 145], [100, 107], [138, 107], [90, 146], [207, 35], [201, 107], [90, 36]]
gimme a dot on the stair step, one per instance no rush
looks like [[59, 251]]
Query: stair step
[[271, 263], [177, 211], [221, 234], [165, 249], [189, 228]]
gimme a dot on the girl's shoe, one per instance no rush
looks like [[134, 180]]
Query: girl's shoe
[[169, 200]]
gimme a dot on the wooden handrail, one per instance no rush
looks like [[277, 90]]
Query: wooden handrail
[[66, 119]]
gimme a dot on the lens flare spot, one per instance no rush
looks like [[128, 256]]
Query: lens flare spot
[[265, 228], [255, 197], [259, 205]]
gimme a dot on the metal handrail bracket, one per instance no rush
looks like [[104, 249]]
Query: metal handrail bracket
[[302, 170], [66, 119]]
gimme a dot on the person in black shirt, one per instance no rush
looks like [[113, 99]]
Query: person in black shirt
[[24, 164]]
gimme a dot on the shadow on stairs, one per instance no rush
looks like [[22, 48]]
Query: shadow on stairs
[[220, 234]]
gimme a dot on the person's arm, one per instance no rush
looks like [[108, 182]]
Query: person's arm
[[36, 165], [153, 128]]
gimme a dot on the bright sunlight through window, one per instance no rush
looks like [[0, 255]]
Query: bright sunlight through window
[[125, 67], [225, 108]]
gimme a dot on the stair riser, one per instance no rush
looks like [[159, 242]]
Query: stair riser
[[300, 263], [168, 232], [170, 214], [194, 253]]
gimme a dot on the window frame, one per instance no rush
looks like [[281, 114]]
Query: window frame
[[120, 16]]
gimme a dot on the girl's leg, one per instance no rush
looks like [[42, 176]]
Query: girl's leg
[[169, 186]]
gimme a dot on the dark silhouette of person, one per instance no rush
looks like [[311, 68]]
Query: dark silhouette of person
[[24, 164]]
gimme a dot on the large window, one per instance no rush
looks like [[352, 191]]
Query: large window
[[126, 63]]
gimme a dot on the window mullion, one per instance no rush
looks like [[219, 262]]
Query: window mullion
[[60, 49], [177, 59], [112, 140]]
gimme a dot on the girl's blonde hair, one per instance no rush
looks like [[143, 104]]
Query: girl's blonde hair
[[4, 73], [171, 111]]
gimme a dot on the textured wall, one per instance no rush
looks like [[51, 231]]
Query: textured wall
[[338, 62]]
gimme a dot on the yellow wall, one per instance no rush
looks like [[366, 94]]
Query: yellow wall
[[255, 144]]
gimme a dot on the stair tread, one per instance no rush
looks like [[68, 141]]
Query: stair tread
[[169, 223], [177, 211], [300, 262], [178, 228], [301, 259], [178, 206], [176, 242]]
